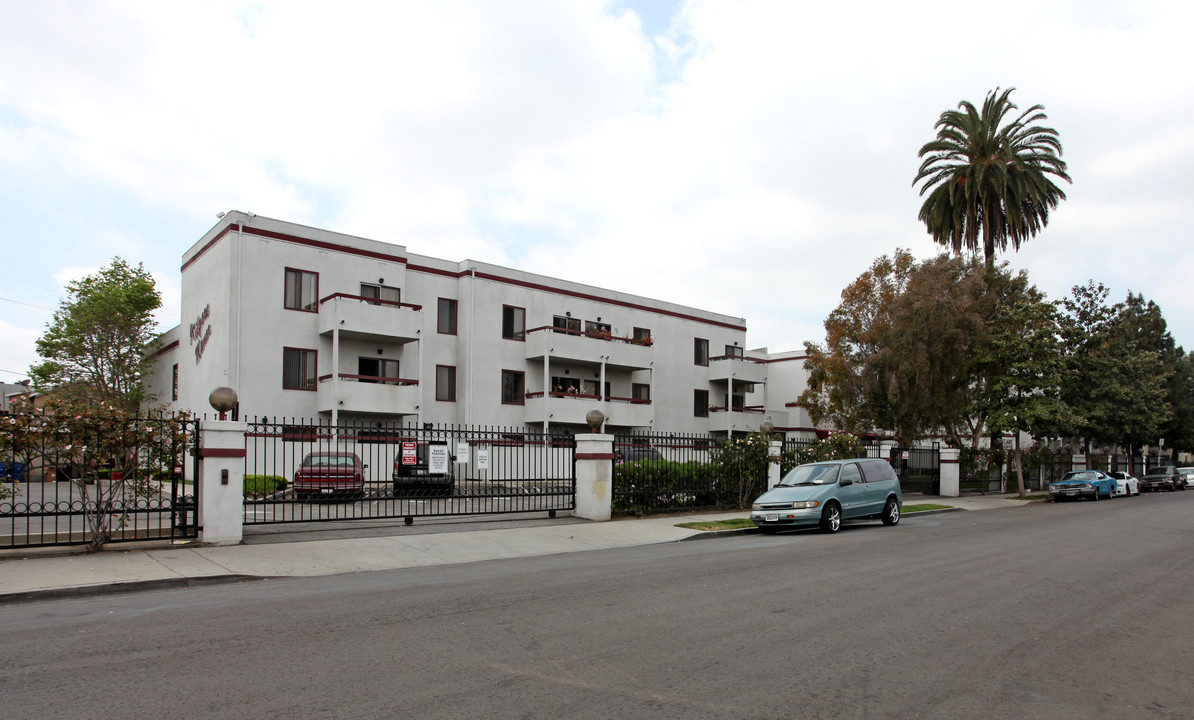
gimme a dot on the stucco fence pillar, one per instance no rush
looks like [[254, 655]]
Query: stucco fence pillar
[[774, 466], [950, 467], [221, 482], [594, 476]]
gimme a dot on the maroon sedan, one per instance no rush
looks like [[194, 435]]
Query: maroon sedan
[[330, 474]]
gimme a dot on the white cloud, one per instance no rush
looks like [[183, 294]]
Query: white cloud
[[752, 160]]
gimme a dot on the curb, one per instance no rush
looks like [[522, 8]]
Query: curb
[[118, 588], [711, 534]]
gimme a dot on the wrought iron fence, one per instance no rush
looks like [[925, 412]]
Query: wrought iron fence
[[656, 472], [311, 471], [92, 480]]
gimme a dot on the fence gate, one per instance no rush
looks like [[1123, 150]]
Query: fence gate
[[61, 479], [301, 471], [919, 469]]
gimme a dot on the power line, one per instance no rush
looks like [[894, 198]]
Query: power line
[[18, 302]]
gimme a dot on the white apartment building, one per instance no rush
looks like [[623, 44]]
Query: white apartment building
[[310, 324]]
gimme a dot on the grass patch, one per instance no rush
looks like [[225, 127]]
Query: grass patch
[[731, 524], [923, 508]]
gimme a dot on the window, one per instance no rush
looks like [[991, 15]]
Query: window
[[700, 351], [445, 383], [640, 392], [563, 323], [374, 370], [514, 322], [381, 292], [850, 472], [174, 389], [447, 316], [733, 351], [561, 384], [700, 403], [302, 290], [642, 336], [737, 403], [298, 369], [513, 382], [598, 329], [590, 389]]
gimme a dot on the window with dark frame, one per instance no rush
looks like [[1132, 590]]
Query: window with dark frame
[[733, 351], [302, 290], [445, 383], [381, 292], [447, 316], [642, 336], [640, 392], [377, 370], [514, 322], [700, 403], [174, 388], [298, 369], [700, 351], [563, 323], [513, 384]]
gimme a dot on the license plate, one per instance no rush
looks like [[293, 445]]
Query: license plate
[[772, 517]]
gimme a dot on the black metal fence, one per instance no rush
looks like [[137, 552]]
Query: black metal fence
[[656, 472], [91, 480], [311, 471]]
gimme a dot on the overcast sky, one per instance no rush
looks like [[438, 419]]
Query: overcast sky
[[749, 158]]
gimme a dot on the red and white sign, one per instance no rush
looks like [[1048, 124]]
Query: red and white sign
[[410, 453]]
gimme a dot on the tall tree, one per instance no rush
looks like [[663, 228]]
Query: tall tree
[[990, 179], [1118, 363], [97, 344], [909, 350], [1022, 369]]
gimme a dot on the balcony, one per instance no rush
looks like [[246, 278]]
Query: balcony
[[589, 347], [740, 369], [744, 419], [569, 408], [367, 395], [370, 318]]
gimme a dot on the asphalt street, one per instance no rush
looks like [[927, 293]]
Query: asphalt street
[[1071, 610]]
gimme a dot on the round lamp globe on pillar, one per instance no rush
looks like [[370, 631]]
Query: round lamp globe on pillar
[[222, 399], [595, 418], [767, 427]]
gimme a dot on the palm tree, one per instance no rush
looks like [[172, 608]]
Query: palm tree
[[988, 179]]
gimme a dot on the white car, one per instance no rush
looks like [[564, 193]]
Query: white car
[[1125, 484]]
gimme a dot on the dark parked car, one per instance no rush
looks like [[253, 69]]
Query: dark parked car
[[1163, 477], [413, 471], [330, 474]]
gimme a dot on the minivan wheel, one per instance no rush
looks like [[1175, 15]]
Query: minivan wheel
[[891, 512], [831, 518]]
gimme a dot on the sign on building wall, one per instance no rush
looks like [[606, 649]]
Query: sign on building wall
[[201, 332]]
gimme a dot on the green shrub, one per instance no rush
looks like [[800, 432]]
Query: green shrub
[[261, 485]]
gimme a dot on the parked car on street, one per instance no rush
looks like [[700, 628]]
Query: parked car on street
[[330, 474], [827, 493], [1187, 474], [1125, 483], [1093, 484], [1163, 477]]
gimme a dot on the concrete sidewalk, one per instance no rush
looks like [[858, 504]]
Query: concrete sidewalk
[[30, 575]]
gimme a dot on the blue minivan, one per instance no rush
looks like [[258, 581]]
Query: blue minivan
[[827, 493]]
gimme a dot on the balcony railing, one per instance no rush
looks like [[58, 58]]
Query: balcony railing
[[593, 347], [373, 318], [369, 394]]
